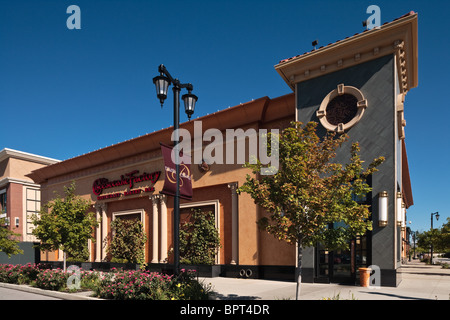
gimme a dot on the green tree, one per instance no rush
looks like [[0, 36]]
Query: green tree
[[66, 224], [440, 237], [128, 241], [199, 239], [8, 243], [444, 238], [310, 191]]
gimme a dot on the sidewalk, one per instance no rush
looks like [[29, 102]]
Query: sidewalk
[[419, 281]]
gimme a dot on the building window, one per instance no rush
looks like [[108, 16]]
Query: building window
[[3, 210], [204, 206], [33, 206], [342, 108], [130, 215]]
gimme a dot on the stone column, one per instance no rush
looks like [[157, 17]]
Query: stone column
[[91, 254], [163, 199], [155, 243], [104, 231], [98, 234], [60, 255], [234, 223]]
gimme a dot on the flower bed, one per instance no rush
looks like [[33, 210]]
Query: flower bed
[[20, 274], [51, 279], [116, 284], [144, 285]]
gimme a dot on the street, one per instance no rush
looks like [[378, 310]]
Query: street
[[11, 294]]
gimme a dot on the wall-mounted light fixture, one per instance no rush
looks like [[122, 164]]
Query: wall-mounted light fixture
[[403, 216], [399, 209], [17, 220], [382, 208]]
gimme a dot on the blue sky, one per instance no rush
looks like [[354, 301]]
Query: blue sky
[[66, 92]]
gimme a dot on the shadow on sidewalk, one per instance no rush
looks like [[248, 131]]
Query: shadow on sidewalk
[[397, 296], [429, 273], [231, 296]]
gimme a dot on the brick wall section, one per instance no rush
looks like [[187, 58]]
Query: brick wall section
[[15, 207]]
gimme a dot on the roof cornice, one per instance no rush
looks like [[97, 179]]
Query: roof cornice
[[10, 153], [239, 116], [398, 37]]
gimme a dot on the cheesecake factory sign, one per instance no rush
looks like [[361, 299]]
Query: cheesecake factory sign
[[127, 179]]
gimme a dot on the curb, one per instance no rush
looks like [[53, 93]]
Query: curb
[[50, 293]]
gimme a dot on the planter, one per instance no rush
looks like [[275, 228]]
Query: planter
[[86, 266], [203, 270], [364, 277], [124, 266]]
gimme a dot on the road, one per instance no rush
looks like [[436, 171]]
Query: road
[[441, 260], [10, 294]]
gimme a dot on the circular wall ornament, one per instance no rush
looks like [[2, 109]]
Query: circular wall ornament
[[342, 108]]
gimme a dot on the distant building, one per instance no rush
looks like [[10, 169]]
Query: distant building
[[20, 197]]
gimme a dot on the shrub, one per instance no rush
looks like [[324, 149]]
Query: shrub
[[143, 285], [52, 279], [117, 284], [186, 287], [10, 273], [199, 239], [134, 285], [90, 279], [128, 242], [19, 274]]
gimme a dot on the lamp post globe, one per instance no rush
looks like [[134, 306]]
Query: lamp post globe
[[189, 103], [162, 85]]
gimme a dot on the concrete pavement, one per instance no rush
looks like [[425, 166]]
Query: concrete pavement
[[419, 281]]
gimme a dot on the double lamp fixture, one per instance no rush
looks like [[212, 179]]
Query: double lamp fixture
[[383, 210]]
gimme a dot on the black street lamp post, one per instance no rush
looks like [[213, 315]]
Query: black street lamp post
[[162, 83], [431, 234]]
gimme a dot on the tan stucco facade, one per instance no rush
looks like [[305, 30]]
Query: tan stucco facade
[[242, 242]]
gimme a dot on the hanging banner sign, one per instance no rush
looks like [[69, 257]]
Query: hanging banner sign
[[170, 184]]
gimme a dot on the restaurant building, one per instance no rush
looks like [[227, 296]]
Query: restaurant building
[[357, 85]]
